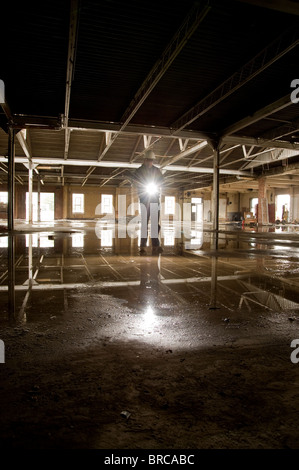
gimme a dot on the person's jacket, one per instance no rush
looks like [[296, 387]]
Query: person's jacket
[[144, 176]]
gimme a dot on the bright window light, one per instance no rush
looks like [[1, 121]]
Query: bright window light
[[78, 203], [253, 203], [47, 206], [3, 197], [169, 205], [196, 200], [282, 206], [106, 201]]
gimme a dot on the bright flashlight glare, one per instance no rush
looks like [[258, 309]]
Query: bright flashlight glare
[[151, 188]]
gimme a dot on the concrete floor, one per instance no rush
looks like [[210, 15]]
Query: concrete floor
[[194, 344]]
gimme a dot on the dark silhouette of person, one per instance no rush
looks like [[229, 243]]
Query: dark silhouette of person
[[148, 180]]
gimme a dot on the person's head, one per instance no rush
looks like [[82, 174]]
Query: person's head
[[149, 158]]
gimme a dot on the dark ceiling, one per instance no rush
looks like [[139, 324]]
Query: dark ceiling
[[137, 70]]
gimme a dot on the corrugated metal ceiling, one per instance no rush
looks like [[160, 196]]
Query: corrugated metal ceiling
[[117, 45]]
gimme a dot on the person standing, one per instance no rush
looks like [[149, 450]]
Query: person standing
[[148, 180]]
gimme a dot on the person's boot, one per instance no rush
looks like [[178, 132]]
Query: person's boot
[[156, 250]]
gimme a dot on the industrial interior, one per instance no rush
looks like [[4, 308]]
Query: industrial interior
[[192, 348]]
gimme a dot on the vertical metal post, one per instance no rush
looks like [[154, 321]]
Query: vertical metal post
[[30, 267], [30, 183], [38, 199], [11, 275], [10, 223], [215, 208], [292, 205], [11, 178], [213, 301]]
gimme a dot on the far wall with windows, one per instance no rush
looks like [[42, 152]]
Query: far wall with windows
[[83, 202]]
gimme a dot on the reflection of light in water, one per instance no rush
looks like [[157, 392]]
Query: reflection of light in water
[[78, 224], [149, 316], [3, 242], [169, 238], [139, 238], [44, 241], [106, 237], [77, 240], [197, 237], [34, 239], [196, 241]]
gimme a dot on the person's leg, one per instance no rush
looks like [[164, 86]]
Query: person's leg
[[155, 227], [144, 223]]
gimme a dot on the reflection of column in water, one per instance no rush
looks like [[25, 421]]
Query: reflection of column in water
[[30, 260], [11, 276], [213, 301], [260, 260]]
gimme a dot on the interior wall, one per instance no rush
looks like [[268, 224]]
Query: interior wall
[[236, 203], [92, 198], [20, 199]]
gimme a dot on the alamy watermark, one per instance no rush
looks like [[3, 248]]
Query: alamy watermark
[[125, 219], [2, 92], [295, 354], [295, 93], [2, 352]]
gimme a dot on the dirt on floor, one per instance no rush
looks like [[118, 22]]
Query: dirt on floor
[[103, 373]]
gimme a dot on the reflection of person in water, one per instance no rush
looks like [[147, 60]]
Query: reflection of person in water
[[149, 279], [148, 180]]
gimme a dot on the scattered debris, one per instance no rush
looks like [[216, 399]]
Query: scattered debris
[[125, 414]]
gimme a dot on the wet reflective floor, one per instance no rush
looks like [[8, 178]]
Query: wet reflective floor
[[250, 269], [195, 343]]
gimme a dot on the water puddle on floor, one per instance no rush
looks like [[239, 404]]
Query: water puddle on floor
[[41, 272]]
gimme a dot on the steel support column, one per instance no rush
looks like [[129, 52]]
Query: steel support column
[[11, 179], [30, 185], [215, 200], [38, 199], [11, 276]]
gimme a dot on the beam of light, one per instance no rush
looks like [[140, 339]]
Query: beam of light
[[151, 189]]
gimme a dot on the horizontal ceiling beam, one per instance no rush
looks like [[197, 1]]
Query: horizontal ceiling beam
[[281, 170], [284, 6], [110, 164], [185, 153], [24, 145], [181, 37], [40, 122], [266, 57], [271, 108], [270, 157], [259, 142]]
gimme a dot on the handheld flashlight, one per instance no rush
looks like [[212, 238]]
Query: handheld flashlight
[[151, 188]]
